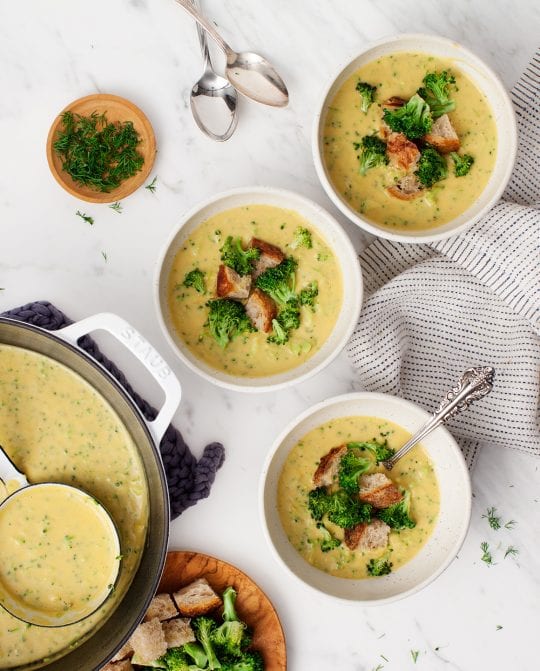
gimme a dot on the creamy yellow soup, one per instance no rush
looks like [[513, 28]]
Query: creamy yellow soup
[[251, 355], [401, 74], [56, 427], [59, 554], [414, 473]]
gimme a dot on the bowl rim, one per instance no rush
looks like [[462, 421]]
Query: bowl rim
[[358, 396], [355, 273], [428, 236]]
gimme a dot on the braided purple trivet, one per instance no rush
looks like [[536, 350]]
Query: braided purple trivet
[[189, 480]]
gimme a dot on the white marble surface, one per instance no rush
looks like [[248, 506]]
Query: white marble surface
[[146, 50]]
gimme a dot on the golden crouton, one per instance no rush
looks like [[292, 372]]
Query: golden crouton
[[197, 598]]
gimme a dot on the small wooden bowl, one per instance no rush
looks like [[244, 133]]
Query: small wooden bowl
[[252, 605], [116, 109]]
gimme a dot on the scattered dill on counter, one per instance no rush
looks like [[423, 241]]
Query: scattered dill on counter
[[86, 217], [117, 207], [486, 556], [152, 186], [493, 519], [97, 153], [104, 255], [510, 524], [414, 655], [511, 551]]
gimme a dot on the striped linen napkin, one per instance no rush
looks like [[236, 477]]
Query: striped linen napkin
[[434, 310]]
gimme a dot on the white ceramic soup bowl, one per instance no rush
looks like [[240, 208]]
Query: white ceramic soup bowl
[[321, 222], [450, 528], [483, 77]]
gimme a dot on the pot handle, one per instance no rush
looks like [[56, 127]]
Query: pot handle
[[143, 351]]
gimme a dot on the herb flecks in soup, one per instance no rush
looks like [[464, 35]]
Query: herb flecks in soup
[[343, 512], [254, 291], [55, 427], [409, 141], [59, 554]]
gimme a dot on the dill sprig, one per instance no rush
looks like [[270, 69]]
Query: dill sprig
[[117, 207], [486, 556], [510, 524], [152, 186], [86, 217], [104, 255], [414, 655], [493, 519], [511, 551], [96, 153]]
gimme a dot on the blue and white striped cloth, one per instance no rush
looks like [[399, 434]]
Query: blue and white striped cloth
[[434, 310]]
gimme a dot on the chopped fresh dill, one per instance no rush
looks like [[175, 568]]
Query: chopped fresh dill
[[385, 658], [499, 627], [152, 186], [511, 551], [97, 153], [510, 524], [414, 655], [86, 217], [486, 556], [104, 255], [493, 519], [117, 207]]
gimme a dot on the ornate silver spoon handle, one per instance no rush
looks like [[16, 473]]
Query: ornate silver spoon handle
[[475, 383]]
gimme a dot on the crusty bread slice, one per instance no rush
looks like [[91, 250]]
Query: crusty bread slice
[[443, 136], [197, 598], [328, 467], [162, 606], [367, 536], [232, 285], [402, 153], [125, 651], [379, 490], [148, 642], [407, 188], [177, 632], [261, 309]]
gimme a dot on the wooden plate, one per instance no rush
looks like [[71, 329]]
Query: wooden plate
[[116, 109], [252, 604]]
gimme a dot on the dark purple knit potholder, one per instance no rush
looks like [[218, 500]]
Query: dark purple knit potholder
[[189, 480]]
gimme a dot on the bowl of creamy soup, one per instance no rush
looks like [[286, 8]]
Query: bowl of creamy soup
[[345, 526], [257, 289], [65, 420], [415, 138]]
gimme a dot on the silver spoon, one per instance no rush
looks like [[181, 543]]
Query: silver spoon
[[249, 73], [475, 383], [214, 101]]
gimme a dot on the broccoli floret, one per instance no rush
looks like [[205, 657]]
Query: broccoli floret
[[397, 515], [351, 467], [380, 566], [204, 628], [308, 295], [287, 320], [250, 661], [238, 258], [279, 282], [431, 167], [412, 119], [279, 335], [381, 450], [302, 238], [328, 541], [229, 601], [435, 92], [231, 637], [226, 320], [195, 279], [373, 153], [367, 91], [340, 508], [462, 164], [196, 653]]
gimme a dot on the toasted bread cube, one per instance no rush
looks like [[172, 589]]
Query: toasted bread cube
[[327, 469], [162, 606], [197, 598], [149, 642], [123, 665], [407, 188], [367, 536], [271, 256], [232, 285], [379, 490], [125, 651], [402, 152], [261, 309], [443, 136], [177, 632]]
